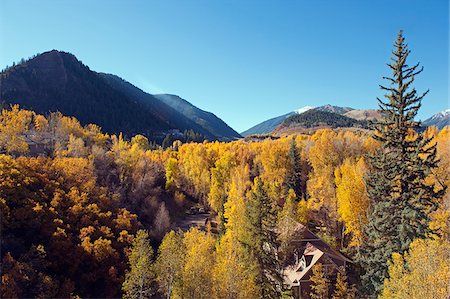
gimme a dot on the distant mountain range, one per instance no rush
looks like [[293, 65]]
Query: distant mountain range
[[58, 81], [268, 126], [439, 120], [335, 116]]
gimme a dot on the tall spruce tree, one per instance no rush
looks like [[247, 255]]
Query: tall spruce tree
[[294, 175], [262, 241], [400, 200]]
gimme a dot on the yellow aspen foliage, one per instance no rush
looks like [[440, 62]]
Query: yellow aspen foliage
[[94, 134], [320, 283], [141, 141], [40, 123], [422, 272], [321, 191], [195, 162], [199, 263], [14, 124], [139, 280], [440, 219], [352, 198], [169, 263], [302, 212], [75, 147], [274, 160], [324, 157], [220, 178], [172, 173], [235, 208], [342, 290], [233, 274]]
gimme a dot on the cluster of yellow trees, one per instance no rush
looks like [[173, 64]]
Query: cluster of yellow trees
[[128, 186]]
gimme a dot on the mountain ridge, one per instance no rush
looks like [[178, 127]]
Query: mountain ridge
[[205, 119], [58, 81]]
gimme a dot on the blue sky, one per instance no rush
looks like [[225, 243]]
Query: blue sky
[[246, 61]]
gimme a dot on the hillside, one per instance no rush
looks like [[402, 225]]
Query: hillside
[[207, 120], [364, 114], [266, 126], [318, 118], [58, 81], [172, 117], [270, 125]]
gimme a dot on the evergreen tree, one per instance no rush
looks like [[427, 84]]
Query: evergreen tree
[[293, 175], [168, 141], [400, 201], [140, 280], [263, 244]]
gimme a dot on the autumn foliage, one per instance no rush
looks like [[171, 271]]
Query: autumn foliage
[[72, 200]]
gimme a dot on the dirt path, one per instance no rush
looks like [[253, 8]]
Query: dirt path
[[191, 220]]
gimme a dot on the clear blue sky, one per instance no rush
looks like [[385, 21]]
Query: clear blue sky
[[246, 61]]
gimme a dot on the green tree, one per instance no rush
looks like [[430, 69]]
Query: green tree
[[263, 242], [294, 171], [400, 201], [139, 281], [168, 140]]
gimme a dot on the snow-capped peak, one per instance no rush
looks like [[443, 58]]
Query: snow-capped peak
[[442, 114], [304, 109], [445, 112]]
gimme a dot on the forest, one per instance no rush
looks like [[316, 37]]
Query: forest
[[85, 214]]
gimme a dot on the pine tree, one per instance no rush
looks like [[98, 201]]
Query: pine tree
[[399, 199], [263, 242], [293, 175], [140, 280]]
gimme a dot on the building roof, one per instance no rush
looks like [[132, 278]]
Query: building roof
[[315, 250]]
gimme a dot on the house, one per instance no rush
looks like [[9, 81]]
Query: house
[[309, 251], [39, 144]]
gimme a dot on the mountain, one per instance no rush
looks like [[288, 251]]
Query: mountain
[[270, 125], [317, 118], [439, 120], [58, 81], [172, 117], [334, 109], [266, 126], [206, 120], [304, 109], [365, 114]]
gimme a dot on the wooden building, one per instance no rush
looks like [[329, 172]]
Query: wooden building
[[309, 251]]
